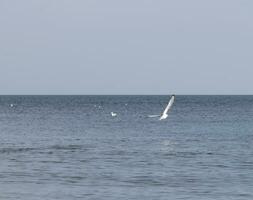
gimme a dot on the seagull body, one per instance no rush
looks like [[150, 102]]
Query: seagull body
[[165, 112], [164, 115], [113, 114]]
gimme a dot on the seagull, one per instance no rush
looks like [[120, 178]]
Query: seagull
[[113, 114], [168, 107], [164, 115], [11, 105]]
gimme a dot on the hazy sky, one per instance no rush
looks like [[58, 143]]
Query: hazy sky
[[126, 47]]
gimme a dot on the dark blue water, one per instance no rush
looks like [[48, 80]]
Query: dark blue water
[[69, 147]]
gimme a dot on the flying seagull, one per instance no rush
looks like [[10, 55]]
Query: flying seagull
[[168, 107], [164, 115]]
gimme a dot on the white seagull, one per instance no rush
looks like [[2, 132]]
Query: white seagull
[[113, 114], [164, 115], [168, 107]]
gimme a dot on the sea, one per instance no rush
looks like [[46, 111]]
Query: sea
[[70, 147]]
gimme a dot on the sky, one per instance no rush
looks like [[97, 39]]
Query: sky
[[126, 47]]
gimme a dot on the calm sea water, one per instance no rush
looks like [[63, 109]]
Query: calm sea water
[[69, 147]]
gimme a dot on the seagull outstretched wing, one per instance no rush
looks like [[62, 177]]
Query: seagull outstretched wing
[[165, 112], [169, 105]]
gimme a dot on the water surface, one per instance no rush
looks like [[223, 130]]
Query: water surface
[[69, 147]]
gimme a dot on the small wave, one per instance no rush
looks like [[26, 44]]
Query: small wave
[[16, 149], [70, 147], [147, 180], [66, 147], [186, 154]]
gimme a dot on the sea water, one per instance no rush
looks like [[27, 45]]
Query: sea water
[[70, 147]]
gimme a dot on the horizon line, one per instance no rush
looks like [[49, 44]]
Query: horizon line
[[126, 94]]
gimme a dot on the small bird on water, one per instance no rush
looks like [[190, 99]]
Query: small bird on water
[[113, 114]]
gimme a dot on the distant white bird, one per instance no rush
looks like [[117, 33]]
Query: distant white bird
[[113, 114], [168, 107], [11, 105], [164, 115]]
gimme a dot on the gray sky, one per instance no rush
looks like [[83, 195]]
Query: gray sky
[[126, 47]]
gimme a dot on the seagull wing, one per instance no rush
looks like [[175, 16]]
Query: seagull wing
[[154, 115], [169, 105]]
